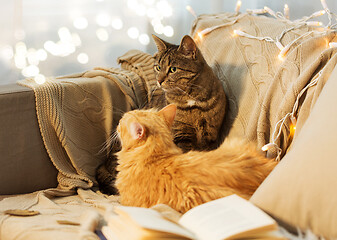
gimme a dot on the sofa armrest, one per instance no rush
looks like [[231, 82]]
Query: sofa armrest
[[25, 165]]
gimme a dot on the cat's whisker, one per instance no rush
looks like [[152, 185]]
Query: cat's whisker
[[118, 111], [181, 90], [112, 140]]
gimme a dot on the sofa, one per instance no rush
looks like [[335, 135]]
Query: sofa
[[280, 82]]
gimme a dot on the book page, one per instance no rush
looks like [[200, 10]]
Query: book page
[[151, 219], [225, 217]]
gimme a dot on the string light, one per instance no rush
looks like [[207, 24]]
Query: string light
[[191, 11], [283, 52], [269, 146], [256, 11], [279, 45], [292, 130], [286, 11], [205, 31], [293, 121], [239, 33], [314, 23], [200, 35], [271, 12], [235, 33], [333, 45], [281, 57], [317, 14], [238, 6], [325, 6]]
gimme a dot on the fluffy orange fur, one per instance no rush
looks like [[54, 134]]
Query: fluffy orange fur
[[153, 170]]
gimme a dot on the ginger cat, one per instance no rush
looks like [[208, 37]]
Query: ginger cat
[[153, 170]]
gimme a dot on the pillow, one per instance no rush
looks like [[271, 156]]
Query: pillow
[[301, 190]]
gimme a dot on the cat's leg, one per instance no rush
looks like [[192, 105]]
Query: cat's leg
[[106, 176], [185, 136]]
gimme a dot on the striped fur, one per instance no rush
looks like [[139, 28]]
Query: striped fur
[[189, 83]]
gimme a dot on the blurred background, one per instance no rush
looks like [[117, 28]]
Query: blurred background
[[53, 38]]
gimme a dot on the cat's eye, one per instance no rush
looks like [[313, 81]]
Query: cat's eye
[[172, 69], [157, 68]]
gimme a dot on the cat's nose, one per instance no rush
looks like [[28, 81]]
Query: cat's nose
[[160, 79]]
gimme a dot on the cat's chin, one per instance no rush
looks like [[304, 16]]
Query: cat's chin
[[164, 89]]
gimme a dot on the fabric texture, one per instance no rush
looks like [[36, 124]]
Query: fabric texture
[[77, 113], [300, 191], [142, 64], [63, 214], [261, 90], [23, 155], [76, 116]]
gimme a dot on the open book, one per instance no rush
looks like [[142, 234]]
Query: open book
[[230, 217]]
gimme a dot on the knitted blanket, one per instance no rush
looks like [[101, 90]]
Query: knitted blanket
[[76, 116], [261, 88], [77, 113]]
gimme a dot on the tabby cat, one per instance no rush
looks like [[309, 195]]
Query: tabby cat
[[153, 170], [189, 83]]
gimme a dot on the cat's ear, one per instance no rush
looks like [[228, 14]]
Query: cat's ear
[[137, 130], [188, 46], [161, 44], [169, 113]]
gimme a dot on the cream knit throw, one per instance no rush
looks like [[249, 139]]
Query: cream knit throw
[[261, 89], [142, 64], [76, 115]]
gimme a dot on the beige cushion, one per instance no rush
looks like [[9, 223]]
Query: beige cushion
[[301, 191]]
